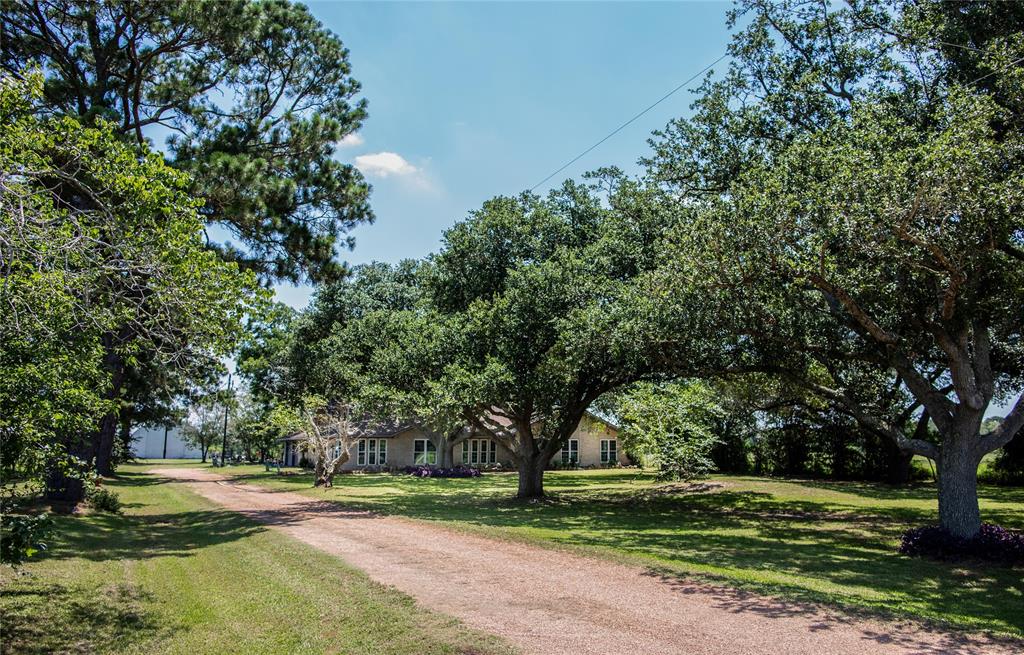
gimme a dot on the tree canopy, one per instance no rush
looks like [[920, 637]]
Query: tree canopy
[[104, 262], [252, 96], [849, 210]]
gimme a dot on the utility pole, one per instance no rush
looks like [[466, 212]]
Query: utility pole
[[224, 443]]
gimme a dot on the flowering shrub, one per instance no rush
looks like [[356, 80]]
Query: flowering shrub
[[991, 543], [434, 472]]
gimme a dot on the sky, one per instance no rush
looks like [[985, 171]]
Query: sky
[[468, 101]]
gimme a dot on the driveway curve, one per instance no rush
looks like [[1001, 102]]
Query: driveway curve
[[551, 602]]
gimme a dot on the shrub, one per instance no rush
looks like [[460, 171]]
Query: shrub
[[558, 465], [991, 543], [435, 472], [1008, 467], [21, 536], [105, 500]]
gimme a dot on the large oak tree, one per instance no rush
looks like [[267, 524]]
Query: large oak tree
[[855, 201]]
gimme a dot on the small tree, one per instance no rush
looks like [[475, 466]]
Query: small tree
[[673, 425], [329, 436], [203, 425]]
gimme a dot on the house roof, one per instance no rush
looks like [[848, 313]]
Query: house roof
[[385, 429], [506, 423], [369, 429], [602, 419]]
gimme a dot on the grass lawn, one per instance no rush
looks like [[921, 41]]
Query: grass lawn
[[176, 574], [833, 542]]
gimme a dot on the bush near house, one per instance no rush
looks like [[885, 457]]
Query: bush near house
[[436, 472]]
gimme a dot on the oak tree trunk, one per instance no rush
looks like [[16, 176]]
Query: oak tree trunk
[[444, 452], [958, 488], [531, 475]]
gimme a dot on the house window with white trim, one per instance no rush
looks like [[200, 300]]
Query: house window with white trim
[[609, 451], [571, 452], [372, 452], [479, 451], [424, 451]]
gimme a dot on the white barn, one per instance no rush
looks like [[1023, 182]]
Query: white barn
[[149, 443]]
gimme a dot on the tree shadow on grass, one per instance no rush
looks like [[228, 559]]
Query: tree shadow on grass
[[913, 491], [102, 536], [135, 479], [38, 617], [916, 638]]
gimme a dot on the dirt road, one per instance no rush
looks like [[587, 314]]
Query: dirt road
[[550, 602]]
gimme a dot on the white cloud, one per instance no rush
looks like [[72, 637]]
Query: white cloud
[[384, 164], [351, 140]]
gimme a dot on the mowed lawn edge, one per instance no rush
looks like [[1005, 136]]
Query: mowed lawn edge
[[831, 544], [175, 573]]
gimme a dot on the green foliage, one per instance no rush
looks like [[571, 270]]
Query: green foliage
[[851, 220], [104, 500], [332, 343], [673, 426], [255, 94], [105, 268], [22, 536], [251, 430], [1008, 466], [262, 350], [203, 423]]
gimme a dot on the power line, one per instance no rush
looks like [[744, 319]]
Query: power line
[[627, 123], [997, 71], [701, 72]]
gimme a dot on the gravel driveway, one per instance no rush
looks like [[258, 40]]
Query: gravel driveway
[[550, 602]]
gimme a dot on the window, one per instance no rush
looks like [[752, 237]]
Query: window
[[424, 452], [609, 451], [336, 451], [479, 451], [372, 452], [571, 452]]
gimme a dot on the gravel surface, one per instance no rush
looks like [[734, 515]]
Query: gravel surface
[[547, 602]]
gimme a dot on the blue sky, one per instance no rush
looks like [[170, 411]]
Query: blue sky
[[472, 100]]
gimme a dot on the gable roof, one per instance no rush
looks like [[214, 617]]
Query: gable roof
[[367, 428], [601, 419]]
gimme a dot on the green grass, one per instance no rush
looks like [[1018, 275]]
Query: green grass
[[831, 542], [176, 574]]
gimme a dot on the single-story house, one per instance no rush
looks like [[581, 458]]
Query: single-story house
[[397, 444]]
